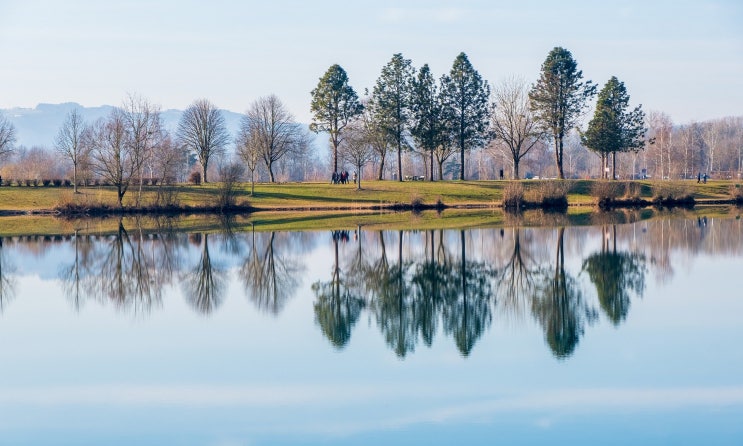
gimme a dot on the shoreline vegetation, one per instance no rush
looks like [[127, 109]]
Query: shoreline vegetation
[[214, 198], [57, 210]]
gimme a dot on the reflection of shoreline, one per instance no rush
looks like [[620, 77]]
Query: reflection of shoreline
[[414, 285]]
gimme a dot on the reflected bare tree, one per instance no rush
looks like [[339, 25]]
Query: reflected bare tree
[[7, 284], [204, 286], [559, 307], [616, 276], [72, 275], [270, 279], [123, 274], [517, 278]]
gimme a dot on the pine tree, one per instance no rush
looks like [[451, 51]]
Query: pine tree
[[613, 129], [334, 105], [466, 112], [391, 98], [428, 129], [559, 98]]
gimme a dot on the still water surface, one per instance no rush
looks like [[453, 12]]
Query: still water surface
[[614, 334]]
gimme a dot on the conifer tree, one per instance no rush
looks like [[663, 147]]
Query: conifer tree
[[613, 128], [334, 105], [559, 98], [466, 98]]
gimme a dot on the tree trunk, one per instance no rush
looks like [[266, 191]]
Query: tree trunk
[[381, 169], [461, 158], [252, 183], [441, 170], [399, 161], [558, 157], [431, 173], [614, 165], [74, 178], [515, 169], [204, 167]]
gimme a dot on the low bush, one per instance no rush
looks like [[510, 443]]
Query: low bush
[[670, 194], [736, 193], [552, 194], [513, 195]]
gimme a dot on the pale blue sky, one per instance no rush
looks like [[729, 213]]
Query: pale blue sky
[[681, 57]]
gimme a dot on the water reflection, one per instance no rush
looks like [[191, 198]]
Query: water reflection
[[7, 283], [617, 275], [413, 286]]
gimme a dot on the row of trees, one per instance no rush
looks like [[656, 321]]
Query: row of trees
[[404, 105], [131, 145], [409, 110]]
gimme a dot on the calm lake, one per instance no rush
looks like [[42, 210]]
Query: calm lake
[[613, 334]]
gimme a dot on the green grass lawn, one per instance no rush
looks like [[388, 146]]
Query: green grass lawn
[[324, 196]]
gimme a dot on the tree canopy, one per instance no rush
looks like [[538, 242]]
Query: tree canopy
[[613, 128], [466, 98], [334, 104], [392, 99], [559, 98]]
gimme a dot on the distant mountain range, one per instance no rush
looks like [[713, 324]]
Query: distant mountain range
[[39, 126]]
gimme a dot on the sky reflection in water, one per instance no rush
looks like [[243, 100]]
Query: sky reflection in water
[[610, 334]]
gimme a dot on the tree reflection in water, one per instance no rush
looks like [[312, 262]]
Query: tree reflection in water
[[559, 307], [337, 305], [616, 275], [270, 279], [413, 285], [204, 286], [7, 285]]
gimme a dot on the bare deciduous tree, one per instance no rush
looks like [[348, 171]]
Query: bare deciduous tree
[[248, 148], [7, 136], [202, 130], [142, 121], [356, 149], [70, 143], [512, 122], [272, 130], [112, 154]]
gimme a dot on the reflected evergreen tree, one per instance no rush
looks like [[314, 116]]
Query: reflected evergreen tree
[[559, 306], [616, 275], [270, 279], [337, 308], [432, 284], [393, 304], [7, 285], [204, 286], [469, 314]]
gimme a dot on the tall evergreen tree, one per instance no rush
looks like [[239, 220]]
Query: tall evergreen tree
[[392, 98], [559, 98], [466, 98], [428, 128], [613, 128], [334, 104]]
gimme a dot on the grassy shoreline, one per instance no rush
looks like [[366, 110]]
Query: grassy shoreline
[[290, 206], [375, 195]]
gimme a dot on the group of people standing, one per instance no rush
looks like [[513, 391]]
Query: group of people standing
[[341, 177], [702, 177]]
